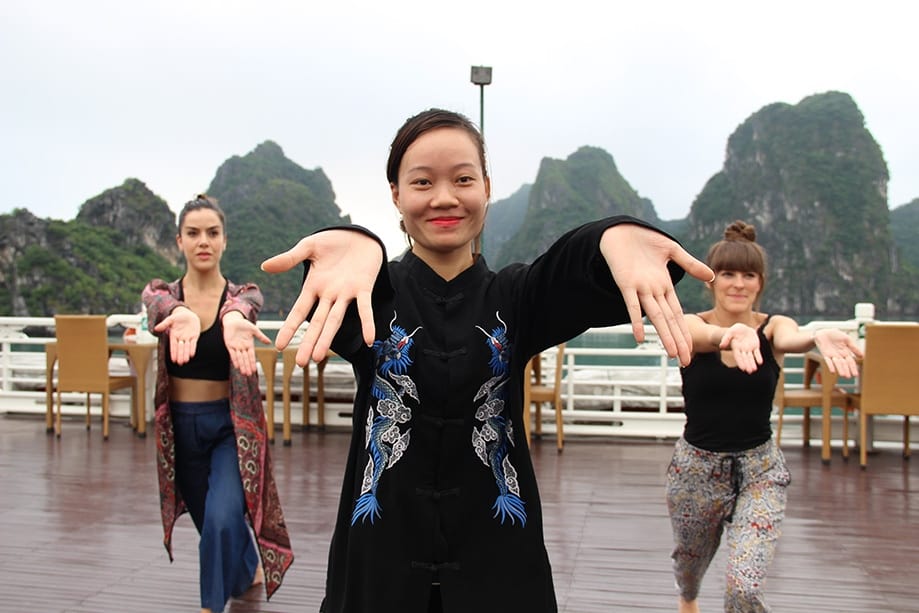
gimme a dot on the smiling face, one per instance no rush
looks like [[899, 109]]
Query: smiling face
[[740, 272], [736, 292], [202, 239], [442, 194]]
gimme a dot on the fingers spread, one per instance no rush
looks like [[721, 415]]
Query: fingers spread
[[365, 312], [290, 258], [670, 326], [633, 306], [313, 331], [681, 329], [279, 263], [297, 316], [692, 265], [329, 329]]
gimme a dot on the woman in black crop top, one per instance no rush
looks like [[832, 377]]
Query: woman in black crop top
[[207, 400], [727, 475]]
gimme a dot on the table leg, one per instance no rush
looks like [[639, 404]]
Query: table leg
[[806, 427], [268, 358], [320, 393], [827, 412], [290, 363], [140, 356], [50, 361], [286, 425], [812, 365], [133, 411], [305, 418], [827, 385]]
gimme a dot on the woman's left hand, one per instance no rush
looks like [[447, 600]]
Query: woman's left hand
[[637, 257], [238, 335], [839, 351], [743, 341]]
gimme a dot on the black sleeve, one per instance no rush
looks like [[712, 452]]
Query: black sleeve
[[569, 288]]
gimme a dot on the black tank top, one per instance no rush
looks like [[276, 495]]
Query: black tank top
[[212, 360], [726, 408]]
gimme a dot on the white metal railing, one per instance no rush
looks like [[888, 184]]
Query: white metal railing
[[605, 393]]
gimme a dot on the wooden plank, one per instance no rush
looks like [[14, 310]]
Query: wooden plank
[[80, 528]]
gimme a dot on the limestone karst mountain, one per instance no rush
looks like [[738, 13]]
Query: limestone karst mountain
[[809, 176]]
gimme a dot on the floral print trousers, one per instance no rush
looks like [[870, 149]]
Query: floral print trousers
[[740, 494]]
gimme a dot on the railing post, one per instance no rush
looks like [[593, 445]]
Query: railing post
[[6, 369]]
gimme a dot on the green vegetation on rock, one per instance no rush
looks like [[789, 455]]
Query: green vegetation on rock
[[809, 176]]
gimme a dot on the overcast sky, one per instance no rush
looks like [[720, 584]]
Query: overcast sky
[[96, 91]]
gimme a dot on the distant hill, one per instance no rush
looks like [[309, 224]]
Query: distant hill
[[809, 176], [585, 186], [270, 203], [125, 236], [812, 179], [504, 220], [140, 217], [97, 263], [904, 227]]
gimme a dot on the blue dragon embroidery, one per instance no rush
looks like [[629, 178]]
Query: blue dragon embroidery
[[492, 441], [386, 442]]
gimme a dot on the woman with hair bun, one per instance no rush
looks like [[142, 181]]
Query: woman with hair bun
[[727, 476]]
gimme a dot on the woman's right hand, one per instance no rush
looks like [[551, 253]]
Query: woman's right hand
[[743, 342], [184, 328], [344, 265]]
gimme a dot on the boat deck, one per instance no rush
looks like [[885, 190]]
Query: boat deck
[[80, 530]]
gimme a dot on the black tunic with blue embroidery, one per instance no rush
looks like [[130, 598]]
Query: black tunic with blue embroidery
[[439, 487]]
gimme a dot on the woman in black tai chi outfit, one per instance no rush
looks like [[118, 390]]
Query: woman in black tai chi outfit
[[439, 507]]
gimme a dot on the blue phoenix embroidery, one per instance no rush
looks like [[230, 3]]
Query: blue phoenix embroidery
[[493, 439], [386, 442]]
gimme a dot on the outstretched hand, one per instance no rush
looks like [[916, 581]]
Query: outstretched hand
[[238, 336], [743, 342], [343, 267], [184, 328], [637, 257], [839, 351]]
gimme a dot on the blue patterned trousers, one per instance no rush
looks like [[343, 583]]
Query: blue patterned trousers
[[207, 475]]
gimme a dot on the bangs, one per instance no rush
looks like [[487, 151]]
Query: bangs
[[742, 256]]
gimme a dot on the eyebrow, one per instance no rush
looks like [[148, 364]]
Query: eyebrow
[[460, 166]]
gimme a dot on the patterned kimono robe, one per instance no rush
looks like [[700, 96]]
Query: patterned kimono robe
[[439, 487], [262, 502]]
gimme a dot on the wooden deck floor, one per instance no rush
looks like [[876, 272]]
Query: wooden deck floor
[[80, 530]]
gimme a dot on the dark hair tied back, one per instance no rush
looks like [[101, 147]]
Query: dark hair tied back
[[739, 251], [740, 230], [426, 121], [202, 201], [418, 125]]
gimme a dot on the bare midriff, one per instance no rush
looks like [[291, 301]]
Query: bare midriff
[[197, 390]]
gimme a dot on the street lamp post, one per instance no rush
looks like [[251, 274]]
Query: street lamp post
[[481, 76]]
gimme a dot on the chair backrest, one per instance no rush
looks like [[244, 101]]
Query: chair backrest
[[779, 399], [559, 366], [782, 387], [82, 353], [890, 377], [556, 384]]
